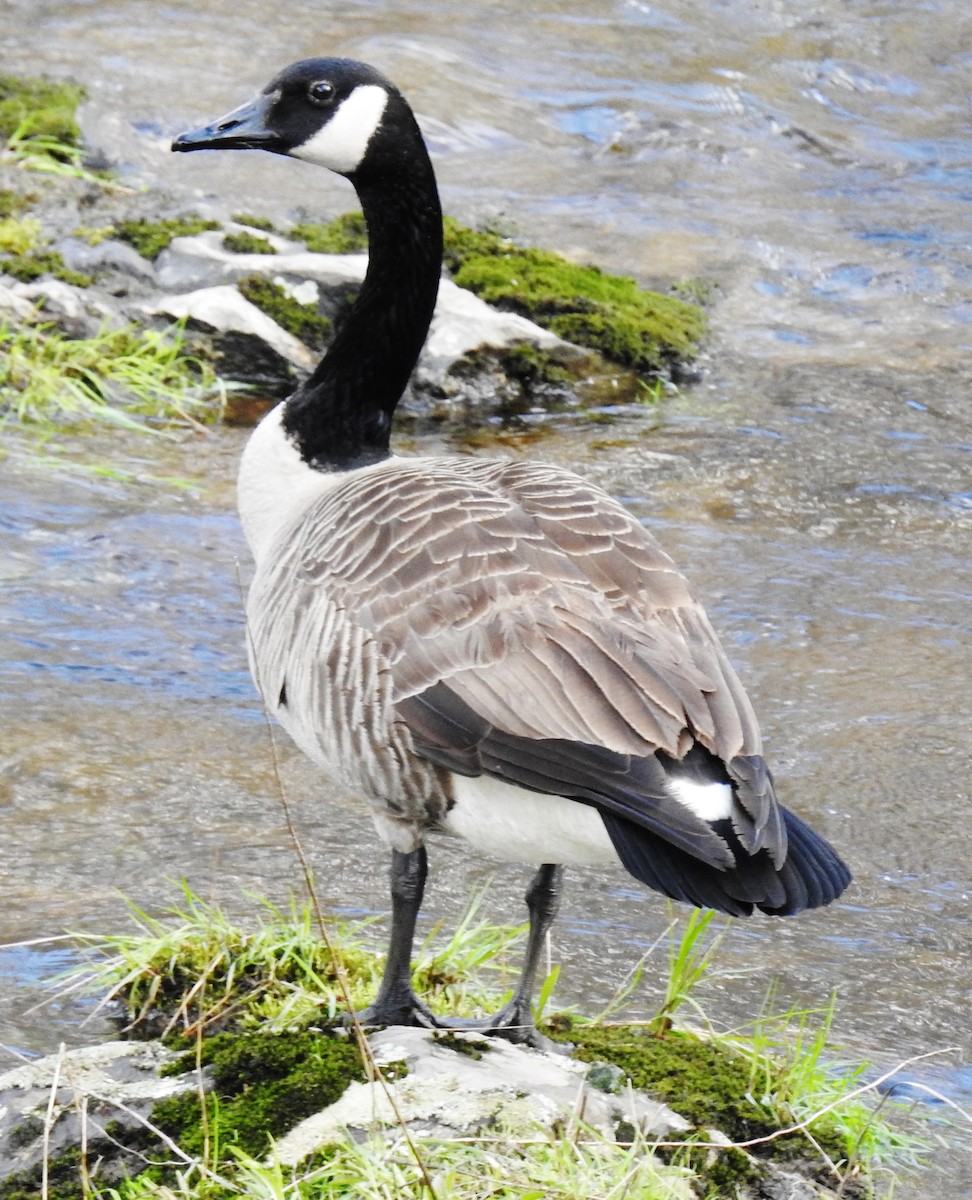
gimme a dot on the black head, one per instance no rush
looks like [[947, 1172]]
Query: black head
[[330, 111]]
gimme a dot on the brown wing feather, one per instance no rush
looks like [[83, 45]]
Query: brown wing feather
[[537, 597]]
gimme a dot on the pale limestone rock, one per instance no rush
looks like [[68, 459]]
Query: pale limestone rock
[[464, 1083], [202, 260], [91, 1086], [225, 309]]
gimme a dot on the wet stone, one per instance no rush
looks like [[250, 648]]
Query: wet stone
[[57, 1103]]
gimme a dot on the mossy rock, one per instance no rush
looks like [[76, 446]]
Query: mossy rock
[[644, 331], [302, 320], [150, 238], [704, 1081], [38, 263], [263, 1084], [253, 222], [247, 243], [346, 234], [640, 330], [40, 108]]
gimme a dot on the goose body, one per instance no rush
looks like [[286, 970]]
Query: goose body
[[495, 650]]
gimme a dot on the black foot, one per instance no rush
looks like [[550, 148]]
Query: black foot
[[405, 1009], [514, 1023]]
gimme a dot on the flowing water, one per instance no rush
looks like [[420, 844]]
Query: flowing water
[[813, 161]]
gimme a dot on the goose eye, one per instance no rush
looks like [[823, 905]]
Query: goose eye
[[320, 92]]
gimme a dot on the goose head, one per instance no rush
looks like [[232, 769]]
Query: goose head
[[335, 112], [346, 116]]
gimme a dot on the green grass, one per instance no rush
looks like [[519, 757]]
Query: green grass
[[131, 377], [38, 123], [194, 967]]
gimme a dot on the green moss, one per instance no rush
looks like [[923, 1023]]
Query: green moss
[[64, 1174], [346, 234], [462, 244], [704, 1081], [302, 320], [13, 203], [150, 238], [530, 365], [460, 1045], [28, 267], [610, 314], [263, 1085], [247, 243], [642, 330], [701, 1080], [19, 235], [40, 110], [639, 329], [94, 235], [263, 223]]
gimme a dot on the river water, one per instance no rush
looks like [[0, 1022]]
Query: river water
[[812, 161]]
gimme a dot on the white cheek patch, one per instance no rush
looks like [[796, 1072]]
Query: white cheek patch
[[341, 144]]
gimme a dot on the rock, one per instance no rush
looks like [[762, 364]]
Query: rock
[[202, 261], [108, 255], [78, 312], [461, 323], [457, 1085], [15, 304], [224, 309], [92, 1087], [460, 1084], [60, 299]]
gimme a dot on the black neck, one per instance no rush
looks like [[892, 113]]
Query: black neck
[[341, 416]]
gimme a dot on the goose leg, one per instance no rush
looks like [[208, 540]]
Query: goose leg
[[396, 1002], [514, 1021]]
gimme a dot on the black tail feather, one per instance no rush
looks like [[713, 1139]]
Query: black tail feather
[[811, 876]]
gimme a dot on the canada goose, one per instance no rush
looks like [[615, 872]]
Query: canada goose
[[492, 649]]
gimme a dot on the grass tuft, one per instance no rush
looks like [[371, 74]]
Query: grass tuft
[[130, 377], [38, 125]]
